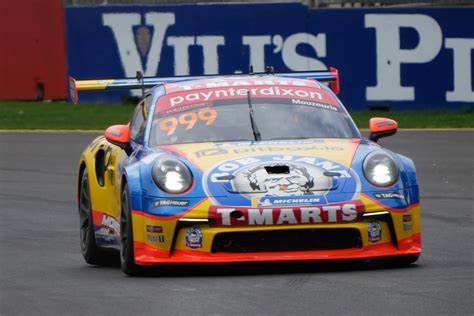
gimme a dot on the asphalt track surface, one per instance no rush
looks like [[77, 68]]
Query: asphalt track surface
[[42, 271]]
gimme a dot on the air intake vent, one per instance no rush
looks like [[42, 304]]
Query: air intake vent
[[287, 240], [279, 169]]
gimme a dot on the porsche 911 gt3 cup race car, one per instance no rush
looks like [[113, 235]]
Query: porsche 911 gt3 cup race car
[[243, 168]]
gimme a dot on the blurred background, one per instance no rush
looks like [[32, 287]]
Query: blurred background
[[392, 54]]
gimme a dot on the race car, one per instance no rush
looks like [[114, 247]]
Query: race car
[[243, 168]]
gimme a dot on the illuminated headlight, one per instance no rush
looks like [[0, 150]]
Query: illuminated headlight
[[380, 169], [172, 176]]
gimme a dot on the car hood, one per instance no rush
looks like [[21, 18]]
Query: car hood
[[208, 155], [284, 173], [256, 170]]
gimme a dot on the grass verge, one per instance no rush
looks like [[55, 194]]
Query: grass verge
[[62, 115], [419, 119]]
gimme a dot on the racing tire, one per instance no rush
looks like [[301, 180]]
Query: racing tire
[[397, 261], [92, 253], [127, 254]]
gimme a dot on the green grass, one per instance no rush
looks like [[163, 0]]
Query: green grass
[[62, 115], [419, 119]]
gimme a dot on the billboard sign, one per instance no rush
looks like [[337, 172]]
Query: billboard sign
[[403, 58]]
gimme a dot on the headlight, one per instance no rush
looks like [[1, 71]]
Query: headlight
[[172, 176], [380, 169]]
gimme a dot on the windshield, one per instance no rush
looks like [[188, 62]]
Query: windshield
[[229, 120], [246, 109]]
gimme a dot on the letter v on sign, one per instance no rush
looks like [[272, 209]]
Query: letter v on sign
[[122, 25]]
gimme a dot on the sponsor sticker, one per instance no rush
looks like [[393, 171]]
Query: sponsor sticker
[[245, 216], [105, 233], [263, 148], [161, 202], [382, 124], [389, 195], [276, 201], [374, 230], [407, 218], [407, 227], [316, 105], [155, 238], [276, 142], [111, 223], [184, 98], [154, 229], [232, 82], [194, 238], [185, 108]]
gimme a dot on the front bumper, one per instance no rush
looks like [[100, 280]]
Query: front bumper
[[192, 240]]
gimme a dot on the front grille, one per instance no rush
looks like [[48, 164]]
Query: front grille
[[287, 240]]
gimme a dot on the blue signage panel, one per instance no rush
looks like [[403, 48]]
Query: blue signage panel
[[403, 58]]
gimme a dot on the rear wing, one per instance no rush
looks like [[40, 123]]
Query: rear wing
[[331, 77]]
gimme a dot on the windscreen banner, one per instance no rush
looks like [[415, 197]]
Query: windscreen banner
[[397, 58]]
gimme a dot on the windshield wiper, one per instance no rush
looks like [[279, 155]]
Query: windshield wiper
[[255, 130]]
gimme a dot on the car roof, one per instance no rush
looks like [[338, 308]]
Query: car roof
[[185, 95]]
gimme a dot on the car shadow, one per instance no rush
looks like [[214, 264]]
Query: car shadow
[[267, 268]]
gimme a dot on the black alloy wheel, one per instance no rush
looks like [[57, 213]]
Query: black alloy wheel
[[127, 255], [90, 251], [88, 245]]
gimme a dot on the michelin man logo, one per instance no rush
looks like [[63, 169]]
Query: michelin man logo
[[280, 180]]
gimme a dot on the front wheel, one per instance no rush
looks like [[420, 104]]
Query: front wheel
[[127, 255]]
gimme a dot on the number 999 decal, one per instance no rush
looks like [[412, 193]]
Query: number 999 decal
[[189, 120]]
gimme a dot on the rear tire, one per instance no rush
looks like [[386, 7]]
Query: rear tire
[[92, 253], [127, 253]]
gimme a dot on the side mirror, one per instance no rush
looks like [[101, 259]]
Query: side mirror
[[381, 127], [119, 135]]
